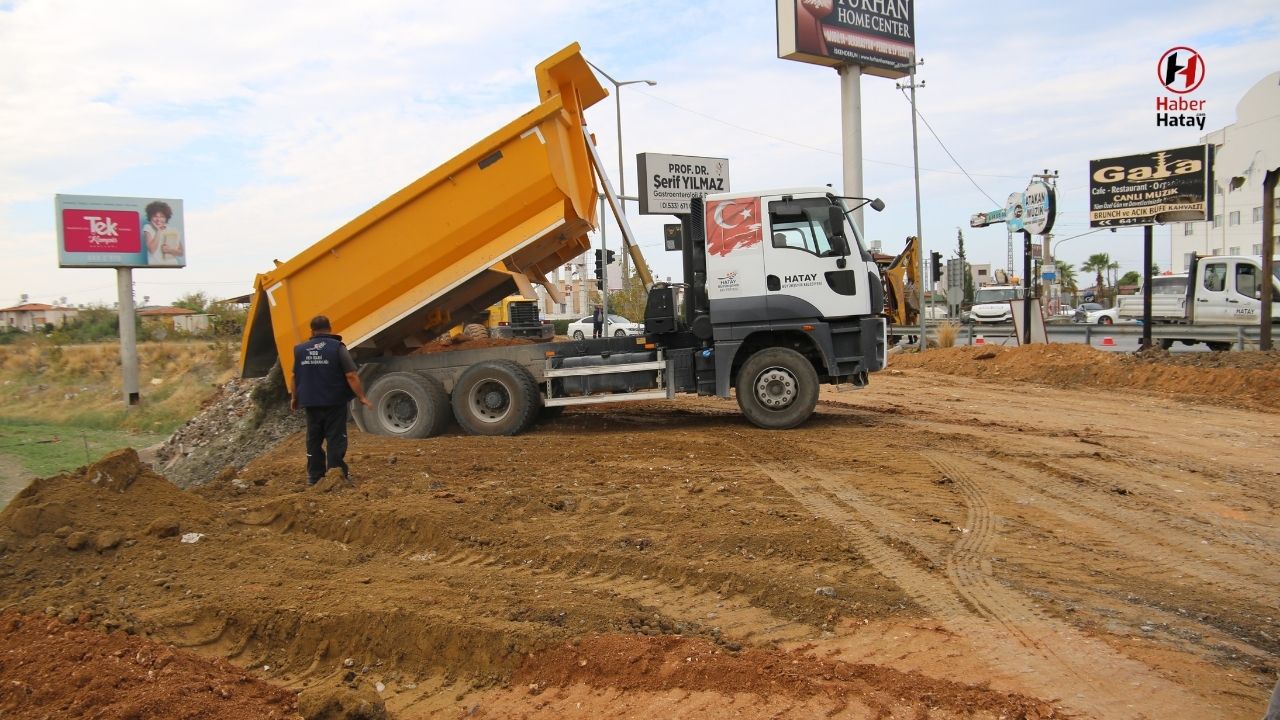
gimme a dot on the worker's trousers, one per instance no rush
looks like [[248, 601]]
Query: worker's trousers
[[327, 426]]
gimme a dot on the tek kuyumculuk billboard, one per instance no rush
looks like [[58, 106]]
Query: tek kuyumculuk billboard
[[105, 231]]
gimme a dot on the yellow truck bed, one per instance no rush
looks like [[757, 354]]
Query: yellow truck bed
[[508, 209]]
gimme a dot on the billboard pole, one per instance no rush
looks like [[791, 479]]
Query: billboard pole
[[851, 134], [1026, 287], [128, 336], [1148, 240]]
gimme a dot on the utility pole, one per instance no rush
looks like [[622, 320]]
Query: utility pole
[[925, 275]]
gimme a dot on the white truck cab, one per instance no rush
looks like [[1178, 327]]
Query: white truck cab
[[991, 304], [1219, 290]]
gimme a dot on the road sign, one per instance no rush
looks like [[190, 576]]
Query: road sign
[[1165, 186]]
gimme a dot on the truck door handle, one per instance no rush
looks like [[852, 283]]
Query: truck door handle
[[772, 282], [1202, 299], [1231, 300]]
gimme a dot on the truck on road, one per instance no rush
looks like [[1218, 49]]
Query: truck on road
[[779, 293], [1216, 290]]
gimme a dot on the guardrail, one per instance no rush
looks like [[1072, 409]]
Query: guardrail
[[1241, 336]]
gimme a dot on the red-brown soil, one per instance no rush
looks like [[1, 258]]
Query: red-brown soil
[[49, 669], [932, 546]]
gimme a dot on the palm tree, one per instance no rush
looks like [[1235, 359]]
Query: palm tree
[[1097, 263], [1066, 277]]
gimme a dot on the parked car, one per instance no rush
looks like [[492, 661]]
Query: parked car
[[618, 326], [1095, 314]]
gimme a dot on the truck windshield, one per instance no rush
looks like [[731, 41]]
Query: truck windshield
[[996, 295]]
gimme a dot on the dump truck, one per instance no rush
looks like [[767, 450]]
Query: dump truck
[[779, 293]]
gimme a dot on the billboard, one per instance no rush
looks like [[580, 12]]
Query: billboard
[[105, 231], [879, 36], [1166, 186], [668, 181]]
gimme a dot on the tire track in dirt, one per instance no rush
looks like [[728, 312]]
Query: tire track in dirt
[[734, 616], [1147, 550], [1203, 525], [1052, 658]]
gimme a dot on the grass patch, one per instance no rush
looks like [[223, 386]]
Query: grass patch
[[50, 449], [80, 385]]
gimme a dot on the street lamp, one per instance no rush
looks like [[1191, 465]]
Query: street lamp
[[622, 173]]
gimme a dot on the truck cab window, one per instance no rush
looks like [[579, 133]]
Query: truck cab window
[[804, 230], [1247, 280], [1215, 277]]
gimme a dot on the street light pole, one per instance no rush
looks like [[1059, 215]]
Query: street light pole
[[622, 173]]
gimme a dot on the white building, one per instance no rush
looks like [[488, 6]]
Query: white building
[[1243, 153], [34, 316]]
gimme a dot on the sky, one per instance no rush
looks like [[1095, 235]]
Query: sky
[[276, 123]]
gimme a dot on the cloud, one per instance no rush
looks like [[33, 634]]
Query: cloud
[[277, 123]]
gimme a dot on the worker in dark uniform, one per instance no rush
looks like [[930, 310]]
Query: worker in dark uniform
[[597, 322], [324, 381]]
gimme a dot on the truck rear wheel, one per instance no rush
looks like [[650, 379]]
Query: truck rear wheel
[[777, 388], [496, 397], [407, 405]]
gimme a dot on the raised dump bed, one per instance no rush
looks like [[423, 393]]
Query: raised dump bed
[[481, 226]]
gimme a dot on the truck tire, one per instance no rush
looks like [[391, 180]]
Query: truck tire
[[1219, 346], [1166, 344], [475, 331], [777, 388], [496, 397], [407, 405]]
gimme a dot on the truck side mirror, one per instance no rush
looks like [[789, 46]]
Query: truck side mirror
[[835, 219]]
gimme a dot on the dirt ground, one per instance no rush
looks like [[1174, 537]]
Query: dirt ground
[[950, 542]]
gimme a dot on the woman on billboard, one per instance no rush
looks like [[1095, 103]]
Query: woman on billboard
[[164, 244]]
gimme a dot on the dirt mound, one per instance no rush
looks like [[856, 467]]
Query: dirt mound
[[466, 342], [655, 664], [51, 669], [117, 495], [1238, 379], [243, 420]]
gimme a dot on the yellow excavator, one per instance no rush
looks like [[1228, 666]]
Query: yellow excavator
[[901, 277]]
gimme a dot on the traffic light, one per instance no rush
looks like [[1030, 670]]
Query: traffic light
[[609, 255], [935, 261], [599, 264]]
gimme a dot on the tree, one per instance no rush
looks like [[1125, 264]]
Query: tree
[[1066, 277], [1097, 263], [195, 302], [964, 263], [1130, 278]]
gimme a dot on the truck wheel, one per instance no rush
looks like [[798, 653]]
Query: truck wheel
[[777, 388], [1219, 346], [476, 331], [577, 335], [1166, 344], [496, 397], [407, 405]]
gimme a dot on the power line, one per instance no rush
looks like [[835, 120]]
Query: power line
[[948, 152], [803, 145]]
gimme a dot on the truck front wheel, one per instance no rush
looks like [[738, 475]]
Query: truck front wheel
[[496, 397], [777, 388], [407, 405]]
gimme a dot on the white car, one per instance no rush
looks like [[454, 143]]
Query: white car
[[618, 327], [1094, 314]]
